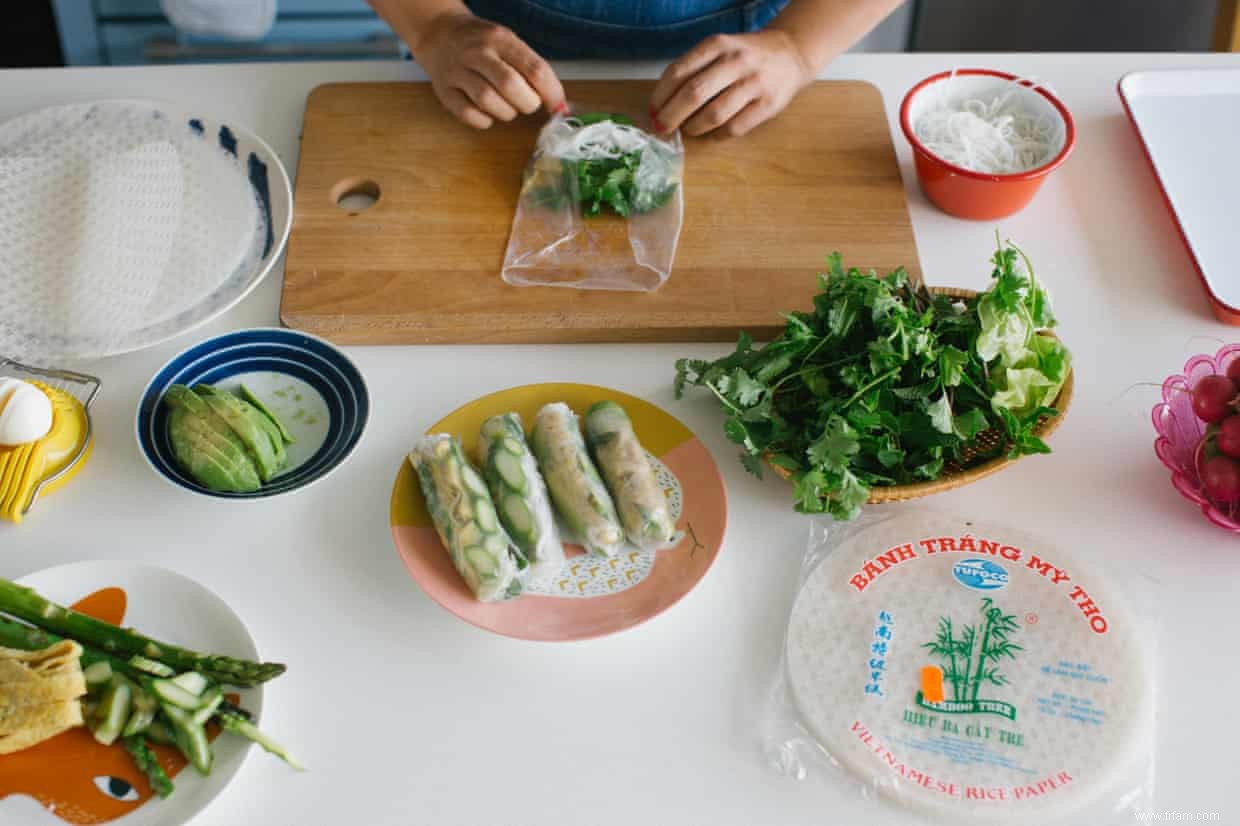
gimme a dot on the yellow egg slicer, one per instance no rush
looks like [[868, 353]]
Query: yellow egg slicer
[[28, 471]]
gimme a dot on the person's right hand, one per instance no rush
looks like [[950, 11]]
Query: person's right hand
[[482, 72]]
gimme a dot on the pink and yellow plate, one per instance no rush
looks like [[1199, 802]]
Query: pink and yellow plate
[[592, 596]]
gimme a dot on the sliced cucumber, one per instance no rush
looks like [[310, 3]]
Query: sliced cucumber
[[212, 698], [97, 674], [113, 711], [169, 693], [192, 681], [471, 534], [474, 482], [520, 520], [190, 737], [509, 469], [155, 669], [484, 512], [481, 561], [496, 544]]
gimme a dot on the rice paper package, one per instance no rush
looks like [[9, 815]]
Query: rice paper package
[[600, 208], [968, 672]]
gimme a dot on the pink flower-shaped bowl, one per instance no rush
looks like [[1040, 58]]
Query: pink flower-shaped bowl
[[1180, 431]]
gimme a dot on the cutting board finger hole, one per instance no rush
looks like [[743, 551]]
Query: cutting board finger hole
[[355, 194]]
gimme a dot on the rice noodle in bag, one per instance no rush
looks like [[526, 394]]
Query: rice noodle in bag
[[600, 208]]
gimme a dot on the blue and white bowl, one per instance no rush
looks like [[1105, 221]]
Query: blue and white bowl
[[310, 385]]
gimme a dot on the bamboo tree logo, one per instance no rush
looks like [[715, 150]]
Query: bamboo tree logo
[[971, 660]]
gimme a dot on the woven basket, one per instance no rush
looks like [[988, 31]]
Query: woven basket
[[958, 474]]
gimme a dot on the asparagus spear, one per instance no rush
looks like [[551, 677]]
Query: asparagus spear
[[148, 764], [27, 638], [24, 603], [114, 708], [520, 493], [236, 724]]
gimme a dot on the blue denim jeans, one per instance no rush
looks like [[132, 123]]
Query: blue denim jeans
[[634, 30]]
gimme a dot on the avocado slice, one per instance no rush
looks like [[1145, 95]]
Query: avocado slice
[[256, 417], [178, 395], [245, 421], [270, 426], [215, 457], [249, 396]]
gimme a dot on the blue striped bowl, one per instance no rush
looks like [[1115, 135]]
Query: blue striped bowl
[[332, 402]]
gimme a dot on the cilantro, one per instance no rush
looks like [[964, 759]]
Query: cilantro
[[884, 383], [630, 183]]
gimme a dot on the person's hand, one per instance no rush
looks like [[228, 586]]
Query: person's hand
[[482, 72], [728, 84]]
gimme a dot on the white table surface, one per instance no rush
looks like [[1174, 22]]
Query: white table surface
[[407, 715]]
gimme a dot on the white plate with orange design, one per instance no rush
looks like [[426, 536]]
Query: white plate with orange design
[[591, 596], [71, 779]]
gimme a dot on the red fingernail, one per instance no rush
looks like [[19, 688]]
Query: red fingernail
[[561, 109], [658, 127]]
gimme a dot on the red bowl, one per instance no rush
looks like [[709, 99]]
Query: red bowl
[[980, 195]]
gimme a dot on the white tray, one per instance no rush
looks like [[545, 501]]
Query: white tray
[[1188, 119]]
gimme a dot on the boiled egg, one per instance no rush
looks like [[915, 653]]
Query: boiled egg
[[25, 412]]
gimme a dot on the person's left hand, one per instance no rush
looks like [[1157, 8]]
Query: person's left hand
[[728, 84]]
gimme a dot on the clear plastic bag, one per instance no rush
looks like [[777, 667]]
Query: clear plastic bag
[[601, 206], [968, 672]]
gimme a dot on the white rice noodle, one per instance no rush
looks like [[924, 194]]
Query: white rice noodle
[[606, 139], [1000, 135]]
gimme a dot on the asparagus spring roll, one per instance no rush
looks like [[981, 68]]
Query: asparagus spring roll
[[464, 515], [511, 472], [573, 482], [626, 469]]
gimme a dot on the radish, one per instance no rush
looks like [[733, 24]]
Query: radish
[[1233, 370], [1220, 477], [1229, 436], [1212, 398]]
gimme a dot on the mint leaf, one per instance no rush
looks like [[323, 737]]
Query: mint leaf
[[952, 361], [970, 423], [940, 412], [890, 457]]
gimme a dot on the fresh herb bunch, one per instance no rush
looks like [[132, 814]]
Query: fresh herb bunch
[[883, 382], [630, 183]]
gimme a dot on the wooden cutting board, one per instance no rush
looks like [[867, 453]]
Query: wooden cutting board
[[422, 264]]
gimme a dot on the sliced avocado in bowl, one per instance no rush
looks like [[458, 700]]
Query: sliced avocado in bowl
[[262, 441], [210, 452], [224, 442]]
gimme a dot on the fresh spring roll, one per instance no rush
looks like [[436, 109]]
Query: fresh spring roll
[[575, 486], [511, 472], [464, 515], [626, 469]]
